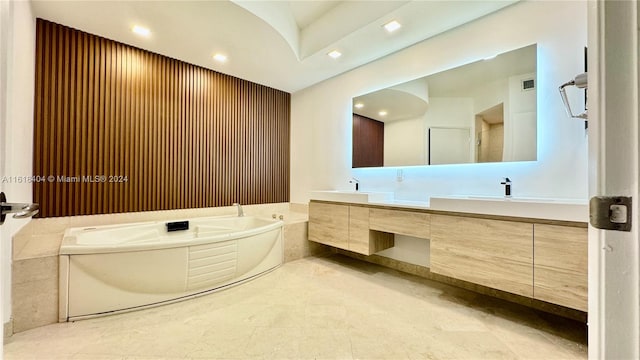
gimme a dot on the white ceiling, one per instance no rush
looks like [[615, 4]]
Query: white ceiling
[[306, 12], [458, 81], [397, 104], [282, 44]]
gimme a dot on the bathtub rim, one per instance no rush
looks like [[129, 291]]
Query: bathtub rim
[[68, 247]]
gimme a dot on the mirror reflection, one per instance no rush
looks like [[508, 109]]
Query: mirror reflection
[[484, 111]]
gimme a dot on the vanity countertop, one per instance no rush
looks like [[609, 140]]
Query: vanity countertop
[[573, 210], [381, 198], [533, 208]]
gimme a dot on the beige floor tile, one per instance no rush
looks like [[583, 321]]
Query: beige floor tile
[[464, 345], [274, 343], [99, 357], [378, 343], [536, 346], [323, 343], [317, 308]]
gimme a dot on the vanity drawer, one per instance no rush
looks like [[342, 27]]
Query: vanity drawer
[[560, 260], [329, 224], [409, 223], [493, 253]]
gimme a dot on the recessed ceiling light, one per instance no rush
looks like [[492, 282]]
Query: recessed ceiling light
[[392, 26], [359, 105], [490, 57], [141, 30], [335, 54], [220, 57], [382, 113]]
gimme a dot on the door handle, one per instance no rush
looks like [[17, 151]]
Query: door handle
[[19, 210]]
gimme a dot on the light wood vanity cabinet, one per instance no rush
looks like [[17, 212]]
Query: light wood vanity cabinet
[[409, 223], [493, 253], [359, 230], [560, 265], [346, 227], [329, 224], [544, 262]]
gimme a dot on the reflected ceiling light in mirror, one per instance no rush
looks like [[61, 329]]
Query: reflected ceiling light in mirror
[[334, 54], [392, 26], [382, 113], [221, 58], [358, 105], [491, 57], [141, 30]]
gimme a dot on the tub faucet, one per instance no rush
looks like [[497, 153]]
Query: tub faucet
[[240, 212], [355, 181], [507, 187]]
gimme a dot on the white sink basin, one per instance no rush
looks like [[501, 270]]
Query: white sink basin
[[535, 208], [359, 197]]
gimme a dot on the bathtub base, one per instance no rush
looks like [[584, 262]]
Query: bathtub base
[[102, 284], [148, 306]]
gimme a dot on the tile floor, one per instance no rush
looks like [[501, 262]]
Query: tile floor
[[317, 308]]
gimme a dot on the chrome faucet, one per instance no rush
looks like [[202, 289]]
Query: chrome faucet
[[240, 212], [355, 181], [507, 187]]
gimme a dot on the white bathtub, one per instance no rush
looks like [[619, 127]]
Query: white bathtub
[[108, 269]]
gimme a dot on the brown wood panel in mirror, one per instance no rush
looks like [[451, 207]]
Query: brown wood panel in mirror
[[368, 142]]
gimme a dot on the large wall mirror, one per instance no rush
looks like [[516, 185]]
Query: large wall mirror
[[480, 112]]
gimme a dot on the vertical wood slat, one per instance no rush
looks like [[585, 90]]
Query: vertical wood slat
[[184, 136]]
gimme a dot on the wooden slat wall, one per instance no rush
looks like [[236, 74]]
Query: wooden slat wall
[[184, 136]]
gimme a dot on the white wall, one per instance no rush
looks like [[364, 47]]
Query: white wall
[[17, 142], [490, 94], [520, 127], [409, 249], [404, 142], [455, 115], [321, 114]]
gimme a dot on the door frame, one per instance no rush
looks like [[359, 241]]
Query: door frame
[[5, 32], [614, 272]]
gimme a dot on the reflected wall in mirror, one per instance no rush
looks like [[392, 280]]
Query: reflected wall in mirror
[[484, 111]]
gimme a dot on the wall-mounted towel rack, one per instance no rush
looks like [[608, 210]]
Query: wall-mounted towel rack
[[581, 82]]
